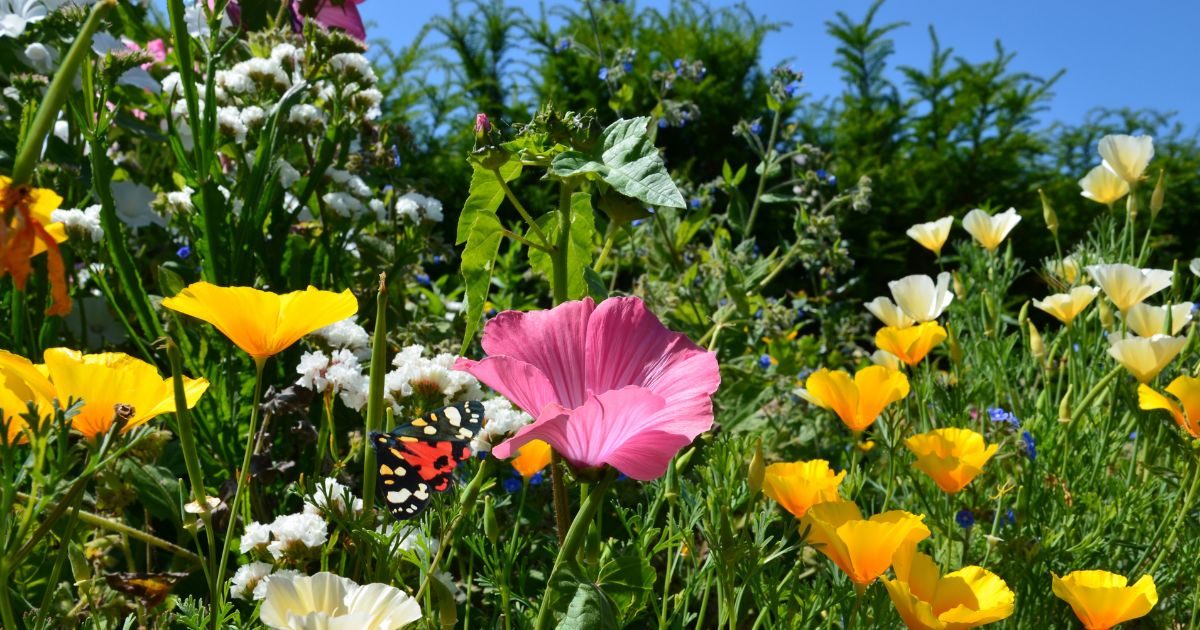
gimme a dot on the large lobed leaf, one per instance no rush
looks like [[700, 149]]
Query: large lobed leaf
[[626, 160]]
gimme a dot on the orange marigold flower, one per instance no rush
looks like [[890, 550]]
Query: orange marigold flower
[[26, 230]]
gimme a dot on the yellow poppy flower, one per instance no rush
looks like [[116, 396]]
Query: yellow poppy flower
[[1066, 306], [966, 598], [798, 486], [1148, 321], [889, 313], [952, 457], [260, 322], [21, 383], [1103, 186], [858, 401], [910, 345], [862, 548], [1144, 357], [1066, 269], [108, 379], [932, 235], [532, 458], [27, 230], [1127, 285], [1184, 388], [1102, 600], [1127, 156], [988, 230]]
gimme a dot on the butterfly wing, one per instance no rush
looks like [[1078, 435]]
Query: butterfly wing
[[419, 459]]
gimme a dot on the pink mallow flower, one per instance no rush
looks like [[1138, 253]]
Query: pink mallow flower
[[606, 384], [341, 15]]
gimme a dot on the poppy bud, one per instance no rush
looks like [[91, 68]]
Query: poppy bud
[[960, 289], [1106, 315], [1023, 315], [1131, 205], [1048, 214], [1160, 191], [956, 353], [1036, 346], [1064, 407], [758, 469]]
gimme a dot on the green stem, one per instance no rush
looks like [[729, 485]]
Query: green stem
[[768, 157], [191, 458], [1079, 411], [242, 482], [570, 546], [60, 88], [465, 505], [859, 592], [521, 209], [609, 238], [375, 401]]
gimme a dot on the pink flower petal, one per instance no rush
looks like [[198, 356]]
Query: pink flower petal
[[628, 345], [553, 341], [523, 384], [624, 428], [343, 16]]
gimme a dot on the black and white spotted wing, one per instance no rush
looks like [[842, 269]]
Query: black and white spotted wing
[[418, 459]]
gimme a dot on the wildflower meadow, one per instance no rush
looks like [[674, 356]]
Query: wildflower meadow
[[581, 319]]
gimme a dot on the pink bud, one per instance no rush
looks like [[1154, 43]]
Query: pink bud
[[482, 124]]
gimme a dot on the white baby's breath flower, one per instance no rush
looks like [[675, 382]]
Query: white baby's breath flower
[[253, 117], [353, 67], [343, 204], [306, 116], [417, 207], [84, 222], [245, 582], [180, 201], [288, 175], [263, 72], [229, 121], [345, 334], [311, 369], [296, 534], [212, 503], [256, 536]]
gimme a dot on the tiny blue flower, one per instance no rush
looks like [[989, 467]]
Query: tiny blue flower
[[758, 313], [803, 375], [437, 259], [1030, 445], [627, 67], [492, 312], [636, 222], [678, 65], [423, 280], [832, 180], [482, 455], [603, 74], [790, 89], [964, 518], [1000, 415], [821, 174], [1133, 435], [536, 479], [563, 45], [662, 123], [694, 203], [1075, 347], [622, 477], [183, 252], [756, 128], [1010, 516], [723, 301], [703, 71], [512, 484], [764, 361]]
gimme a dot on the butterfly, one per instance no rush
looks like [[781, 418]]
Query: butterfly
[[150, 588], [418, 458]]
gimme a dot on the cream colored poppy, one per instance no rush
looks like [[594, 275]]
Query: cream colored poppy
[[988, 230], [1144, 357], [1127, 156], [932, 235], [1066, 306], [1103, 186]]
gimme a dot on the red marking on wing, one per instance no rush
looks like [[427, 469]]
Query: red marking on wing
[[423, 457]]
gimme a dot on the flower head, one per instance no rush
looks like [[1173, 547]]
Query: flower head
[[889, 313], [910, 345], [1127, 285], [250, 581], [606, 384], [952, 457], [532, 458], [106, 380], [1147, 321], [343, 16], [862, 548], [1186, 390], [1127, 156], [1144, 357], [1102, 185], [1102, 600], [1066, 306], [858, 401], [966, 598], [797, 486], [26, 230], [988, 230], [920, 298], [260, 322], [932, 235], [295, 534], [326, 600], [22, 383]]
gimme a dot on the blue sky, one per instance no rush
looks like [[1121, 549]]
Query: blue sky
[[1116, 53]]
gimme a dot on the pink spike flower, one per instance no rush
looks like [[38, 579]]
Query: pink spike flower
[[606, 384]]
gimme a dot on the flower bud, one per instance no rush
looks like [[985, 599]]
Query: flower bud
[[1106, 315], [491, 527], [1048, 214], [1023, 315], [992, 312], [1160, 191], [956, 353], [1036, 346], [758, 469], [1064, 407], [1131, 205], [960, 289]]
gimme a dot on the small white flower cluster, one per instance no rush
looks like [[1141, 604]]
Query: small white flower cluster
[[250, 580], [502, 420], [346, 335], [409, 539], [331, 496], [429, 378], [337, 372], [179, 201], [84, 222], [416, 207], [355, 198], [295, 535]]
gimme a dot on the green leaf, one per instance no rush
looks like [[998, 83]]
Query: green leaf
[[579, 250], [581, 603], [596, 287], [483, 243], [619, 208], [485, 195], [157, 489], [777, 198], [625, 159], [169, 282], [627, 580]]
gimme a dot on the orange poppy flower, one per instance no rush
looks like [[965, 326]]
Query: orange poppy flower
[[911, 344], [26, 230]]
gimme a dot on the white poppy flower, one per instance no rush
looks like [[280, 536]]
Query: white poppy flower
[[1127, 156], [920, 298], [988, 230], [1127, 285], [326, 601]]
